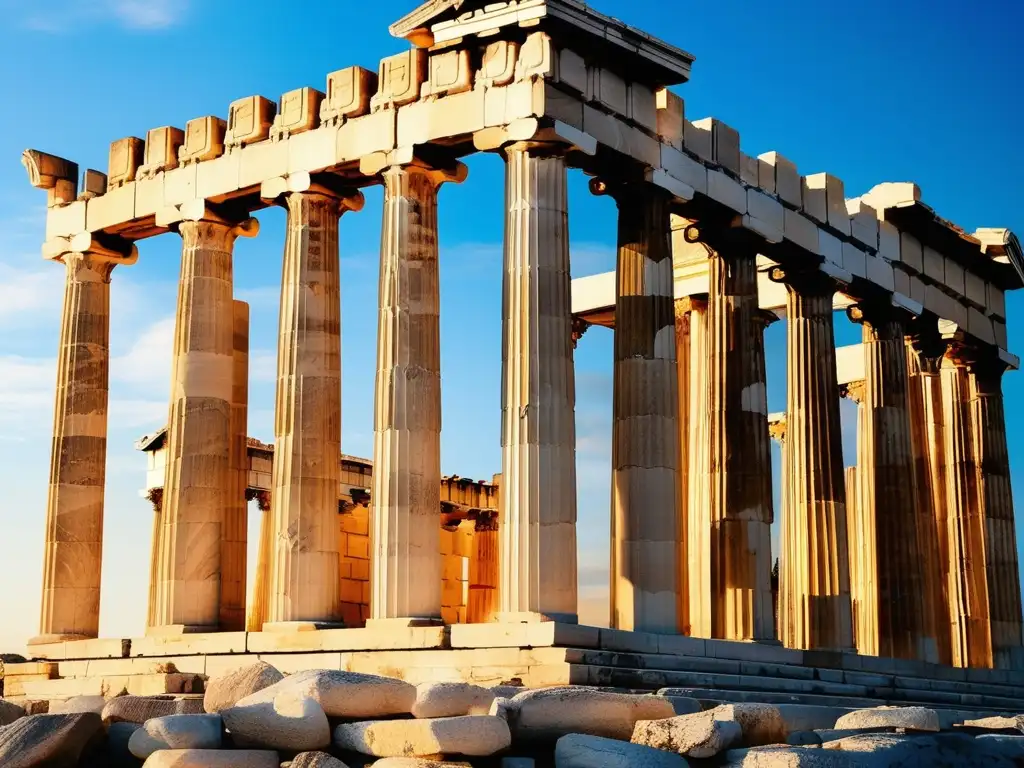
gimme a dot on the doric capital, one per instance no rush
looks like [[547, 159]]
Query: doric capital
[[579, 327], [279, 190], [235, 221], [766, 317], [687, 304], [96, 253], [804, 281], [627, 191], [434, 166], [854, 390], [925, 344], [878, 312], [59, 177], [542, 137]]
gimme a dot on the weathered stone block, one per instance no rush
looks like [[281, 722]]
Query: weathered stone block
[[204, 140], [162, 146], [537, 57], [299, 112], [581, 751], [449, 73], [249, 121], [934, 265], [725, 143], [911, 253], [699, 735], [799, 229], [126, 155], [779, 175], [671, 113], [498, 65], [400, 80], [888, 241], [349, 92], [727, 191], [479, 735]]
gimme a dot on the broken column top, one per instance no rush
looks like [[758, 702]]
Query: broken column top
[[646, 58]]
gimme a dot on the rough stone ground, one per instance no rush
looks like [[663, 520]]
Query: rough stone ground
[[258, 718]]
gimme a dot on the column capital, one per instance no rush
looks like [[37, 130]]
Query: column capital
[[436, 166], [92, 250], [234, 219], [627, 189], [874, 312], [804, 281], [854, 390], [926, 344], [280, 189], [540, 136], [695, 303], [579, 327]]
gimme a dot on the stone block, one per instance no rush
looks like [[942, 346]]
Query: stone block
[[366, 135], [643, 107], [888, 241], [525, 635], [681, 166], [537, 58], [725, 143], [854, 260], [975, 290], [498, 64], [313, 150], [749, 170], [780, 176], [126, 156], [149, 196], [911, 253], [262, 161], [1000, 334], [955, 279], [727, 191], [180, 184], [348, 95], [204, 140], [249, 121], [162, 145], [609, 90], [697, 141], [217, 177], [916, 289], [863, 222], [456, 115], [189, 644], [901, 282], [824, 201], [799, 229], [449, 72], [617, 135], [730, 649], [879, 272], [94, 184], [996, 304], [582, 751], [980, 326], [299, 112], [65, 220], [400, 80], [479, 735], [117, 206], [934, 265], [767, 209]]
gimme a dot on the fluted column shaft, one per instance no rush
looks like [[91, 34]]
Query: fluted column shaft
[[968, 593], [740, 487], [73, 554], [645, 564], [304, 580], [861, 531], [695, 554], [814, 571], [405, 536], [538, 490], [235, 533], [198, 480], [905, 626], [257, 615], [853, 525], [995, 499]]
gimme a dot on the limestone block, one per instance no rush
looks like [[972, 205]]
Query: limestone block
[[315, 760], [180, 185], [934, 265], [400, 80], [448, 73], [975, 290], [44, 740], [725, 143], [749, 170], [917, 289], [366, 135], [10, 712], [916, 718], [998, 723], [727, 191], [980, 326], [643, 108], [116, 750], [581, 751], [609, 90], [617, 135], [537, 58], [291, 722], [162, 145], [139, 709], [780, 176], [218, 176], [114, 207], [344, 694], [824, 201], [204, 140], [474, 735], [451, 699], [65, 220], [682, 167], [901, 282], [574, 76], [498, 64], [249, 121], [999, 333], [126, 155], [854, 260], [213, 758], [699, 735], [261, 161], [149, 196], [879, 272], [78, 705], [547, 714], [955, 279], [227, 690], [299, 112], [911, 253], [697, 141], [799, 229], [176, 732], [761, 723], [888, 241], [455, 115], [416, 762], [996, 302], [671, 113], [768, 210], [863, 222]]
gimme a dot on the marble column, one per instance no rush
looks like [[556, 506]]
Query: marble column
[[257, 615], [304, 565], [995, 500], [854, 526], [925, 350], [970, 632], [234, 537], [740, 472], [198, 480], [905, 622], [645, 528], [787, 535], [538, 490], [860, 528], [405, 535], [815, 569], [73, 553]]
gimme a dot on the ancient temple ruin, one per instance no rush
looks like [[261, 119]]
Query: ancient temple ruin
[[910, 556]]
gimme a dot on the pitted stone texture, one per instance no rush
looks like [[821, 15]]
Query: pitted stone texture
[[213, 758], [79, 704], [917, 718], [789, 757], [944, 749], [415, 762], [47, 740], [474, 735], [314, 760], [139, 709], [9, 712], [451, 700], [550, 713], [761, 723], [998, 723], [227, 690], [344, 694], [290, 722], [176, 732], [699, 735], [502, 708], [581, 751]]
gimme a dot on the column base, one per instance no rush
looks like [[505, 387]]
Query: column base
[[533, 617], [403, 623], [300, 626], [58, 638], [174, 630]]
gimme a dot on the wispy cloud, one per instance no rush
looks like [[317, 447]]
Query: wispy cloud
[[59, 16]]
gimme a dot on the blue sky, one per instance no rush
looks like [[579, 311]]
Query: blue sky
[[869, 91]]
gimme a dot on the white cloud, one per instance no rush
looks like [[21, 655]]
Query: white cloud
[[147, 362], [58, 16], [26, 387], [27, 293]]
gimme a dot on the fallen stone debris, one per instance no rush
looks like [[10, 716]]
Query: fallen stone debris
[[256, 717]]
